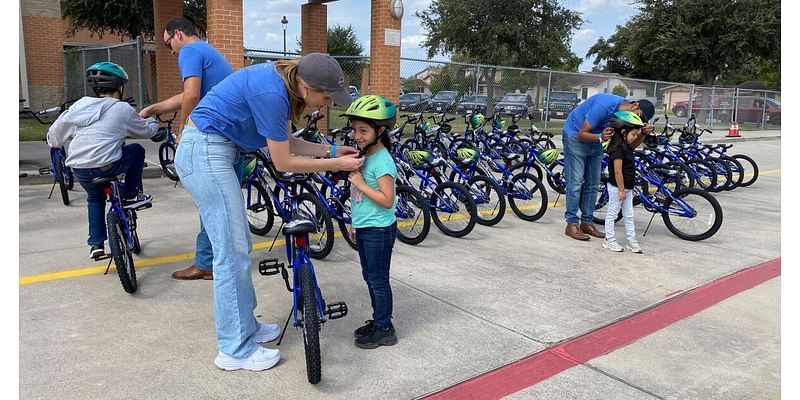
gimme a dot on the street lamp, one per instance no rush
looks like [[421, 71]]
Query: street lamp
[[284, 22]]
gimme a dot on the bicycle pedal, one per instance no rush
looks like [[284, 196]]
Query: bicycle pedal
[[102, 257], [143, 207], [45, 171], [336, 310], [270, 266]]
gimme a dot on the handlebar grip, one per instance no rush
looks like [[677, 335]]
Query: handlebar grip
[[450, 119]]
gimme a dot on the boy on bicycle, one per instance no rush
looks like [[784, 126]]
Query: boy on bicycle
[[98, 127]]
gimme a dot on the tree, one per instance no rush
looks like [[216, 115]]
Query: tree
[[342, 41], [522, 33], [412, 85], [696, 41], [620, 90], [127, 18]]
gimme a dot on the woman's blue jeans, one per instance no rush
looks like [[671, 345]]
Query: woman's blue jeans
[[582, 171], [375, 251], [205, 165]]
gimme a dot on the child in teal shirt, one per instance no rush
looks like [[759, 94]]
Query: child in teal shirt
[[373, 203]]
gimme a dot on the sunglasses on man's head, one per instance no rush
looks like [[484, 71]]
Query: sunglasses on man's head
[[169, 40]]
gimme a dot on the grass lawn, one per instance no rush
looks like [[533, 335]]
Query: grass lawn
[[31, 130]]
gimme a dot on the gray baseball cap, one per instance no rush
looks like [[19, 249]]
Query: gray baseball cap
[[323, 72]]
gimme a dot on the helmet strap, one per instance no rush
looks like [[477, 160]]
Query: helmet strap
[[363, 152]]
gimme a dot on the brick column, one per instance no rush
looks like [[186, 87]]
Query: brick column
[[314, 28], [226, 30], [168, 78], [384, 62]]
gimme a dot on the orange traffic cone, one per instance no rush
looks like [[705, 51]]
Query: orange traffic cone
[[734, 131]]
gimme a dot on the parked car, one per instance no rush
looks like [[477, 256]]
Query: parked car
[[749, 109], [471, 103], [354, 93], [444, 101], [515, 103], [415, 102], [560, 104]]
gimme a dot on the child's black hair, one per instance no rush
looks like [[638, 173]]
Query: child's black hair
[[385, 140], [618, 139]]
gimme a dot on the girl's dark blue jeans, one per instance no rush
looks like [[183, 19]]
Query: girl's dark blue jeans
[[375, 251]]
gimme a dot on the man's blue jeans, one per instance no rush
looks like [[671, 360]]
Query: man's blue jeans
[[375, 252], [203, 255], [582, 171], [131, 164], [205, 165]]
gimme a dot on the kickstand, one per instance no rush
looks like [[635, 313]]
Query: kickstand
[[275, 239], [108, 266], [558, 196], [648, 225], [51, 191], [176, 185], [285, 325]]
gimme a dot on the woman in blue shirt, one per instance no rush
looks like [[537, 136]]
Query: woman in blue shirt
[[250, 109]]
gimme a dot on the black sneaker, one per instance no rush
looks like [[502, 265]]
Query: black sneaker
[[138, 200], [377, 338], [365, 330], [96, 251]]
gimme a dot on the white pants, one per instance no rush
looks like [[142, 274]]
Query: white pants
[[613, 209]]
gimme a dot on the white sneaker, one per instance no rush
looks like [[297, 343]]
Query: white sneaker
[[261, 359], [611, 245], [267, 333], [634, 247]]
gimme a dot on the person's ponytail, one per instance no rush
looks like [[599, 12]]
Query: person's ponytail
[[287, 69]]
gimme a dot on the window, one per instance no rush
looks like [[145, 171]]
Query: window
[[584, 93]]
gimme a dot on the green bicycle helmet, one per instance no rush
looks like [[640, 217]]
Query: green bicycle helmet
[[626, 119], [500, 124], [249, 168], [376, 109], [468, 155], [426, 127], [548, 157], [106, 75], [476, 120], [419, 157]]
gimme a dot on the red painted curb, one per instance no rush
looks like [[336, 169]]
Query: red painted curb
[[537, 367]]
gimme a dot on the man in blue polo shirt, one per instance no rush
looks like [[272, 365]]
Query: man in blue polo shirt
[[584, 132], [201, 67]]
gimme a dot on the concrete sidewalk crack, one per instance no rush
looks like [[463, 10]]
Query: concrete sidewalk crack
[[623, 381]]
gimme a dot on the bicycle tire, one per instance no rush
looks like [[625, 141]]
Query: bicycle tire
[[407, 199], [747, 164], [683, 194], [62, 184], [535, 193], [460, 200], [517, 147], [260, 212], [556, 178], [310, 324], [70, 179], [724, 175], [686, 178], [737, 172], [123, 259], [705, 176], [322, 219], [534, 169], [489, 213], [166, 158], [344, 199]]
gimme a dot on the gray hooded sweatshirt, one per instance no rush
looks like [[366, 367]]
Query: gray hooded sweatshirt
[[98, 127]]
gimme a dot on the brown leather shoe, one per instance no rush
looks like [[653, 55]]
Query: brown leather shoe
[[192, 273], [574, 232], [591, 230]]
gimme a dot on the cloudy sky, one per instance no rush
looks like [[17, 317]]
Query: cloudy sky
[[262, 27]]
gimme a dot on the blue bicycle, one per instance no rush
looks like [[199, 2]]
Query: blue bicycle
[[309, 309]]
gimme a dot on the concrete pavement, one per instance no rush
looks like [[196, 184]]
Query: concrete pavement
[[462, 307]]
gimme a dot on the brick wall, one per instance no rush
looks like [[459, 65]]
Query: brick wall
[[384, 71], [314, 35], [168, 77], [226, 29]]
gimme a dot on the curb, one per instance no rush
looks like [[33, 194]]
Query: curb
[[33, 177]]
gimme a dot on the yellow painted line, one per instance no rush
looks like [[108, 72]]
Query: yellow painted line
[[770, 172]]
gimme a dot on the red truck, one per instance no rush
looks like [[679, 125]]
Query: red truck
[[750, 109]]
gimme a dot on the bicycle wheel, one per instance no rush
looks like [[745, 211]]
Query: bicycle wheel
[[413, 215], [723, 172], [344, 227], [70, 178], [750, 169], [320, 242], [684, 180], [62, 181], [527, 197], [258, 204], [166, 157], [692, 214], [517, 147], [137, 247], [489, 199], [120, 252], [705, 176], [453, 209], [737, 172], [556, 178], [309, 317]]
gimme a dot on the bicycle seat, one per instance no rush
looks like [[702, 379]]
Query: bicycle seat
[[286, 177], [666, 171], [725, 146], [642, 153], [510, 156], [104, 181], [299, 226]]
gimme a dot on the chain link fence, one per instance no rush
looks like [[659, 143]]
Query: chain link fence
[[136, 57]]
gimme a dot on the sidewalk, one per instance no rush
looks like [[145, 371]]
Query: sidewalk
[[35, 155]]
